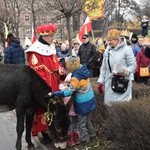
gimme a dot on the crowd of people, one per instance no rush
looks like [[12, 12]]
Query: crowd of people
[[117, 60]]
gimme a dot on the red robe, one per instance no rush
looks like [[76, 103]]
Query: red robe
[[47, 66]]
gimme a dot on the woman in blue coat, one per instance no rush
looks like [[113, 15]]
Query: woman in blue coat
[[119, 54]]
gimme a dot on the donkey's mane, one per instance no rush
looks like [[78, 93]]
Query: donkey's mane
[[37, 81]]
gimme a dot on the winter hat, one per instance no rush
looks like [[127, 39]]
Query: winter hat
[[85, 36], [147, 52], [72, 63], [9, 35], [134, 38]]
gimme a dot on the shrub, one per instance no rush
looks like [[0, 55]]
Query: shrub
[[127, 125]]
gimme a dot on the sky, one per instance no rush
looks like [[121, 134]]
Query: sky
[[137, 1]]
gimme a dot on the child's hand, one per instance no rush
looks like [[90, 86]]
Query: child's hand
[[49, 94]]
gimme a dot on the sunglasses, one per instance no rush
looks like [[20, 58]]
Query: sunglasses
[[84, 38]]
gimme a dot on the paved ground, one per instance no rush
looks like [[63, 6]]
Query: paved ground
[[8, 133]]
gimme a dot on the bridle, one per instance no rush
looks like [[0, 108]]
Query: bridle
[[49, 115]]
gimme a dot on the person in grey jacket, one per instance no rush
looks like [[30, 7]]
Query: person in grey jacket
[[14, 53], [119, 54]]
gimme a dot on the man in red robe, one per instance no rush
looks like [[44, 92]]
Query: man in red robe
[[42, 58]]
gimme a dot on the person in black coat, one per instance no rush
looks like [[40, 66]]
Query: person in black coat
[[144, 25], [87, 52], [14, 53]]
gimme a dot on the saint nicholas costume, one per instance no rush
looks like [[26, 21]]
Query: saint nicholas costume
[[42, 58]]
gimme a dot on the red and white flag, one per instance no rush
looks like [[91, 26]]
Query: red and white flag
[[33, 36], [87, 27]]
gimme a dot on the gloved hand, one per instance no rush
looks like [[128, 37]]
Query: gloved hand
[[50, 94], [100, 87]]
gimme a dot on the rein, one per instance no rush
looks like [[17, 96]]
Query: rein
[[49, 114]]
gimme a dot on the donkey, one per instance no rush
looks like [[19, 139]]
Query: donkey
[[23, 90]]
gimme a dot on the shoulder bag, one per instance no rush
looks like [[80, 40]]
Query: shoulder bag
[[119, 84], [144, 72]]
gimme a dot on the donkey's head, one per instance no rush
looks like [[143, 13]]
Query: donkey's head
[[59, 122]]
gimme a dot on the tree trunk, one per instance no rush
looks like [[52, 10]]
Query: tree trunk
[[68, 25]]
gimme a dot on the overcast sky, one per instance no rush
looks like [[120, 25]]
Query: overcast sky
[[137, 1]]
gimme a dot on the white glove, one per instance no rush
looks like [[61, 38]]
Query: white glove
[[49, 94]]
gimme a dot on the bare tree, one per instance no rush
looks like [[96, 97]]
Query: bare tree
[[36, 9], [31, 6], [116, 10], [2, 21], [13, 11], [109, 7], [66, 9], [145, 6]]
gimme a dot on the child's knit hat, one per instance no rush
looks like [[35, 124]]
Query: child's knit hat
[[72, 63]]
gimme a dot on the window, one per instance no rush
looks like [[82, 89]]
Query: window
[[27, 18], [8, 5], [43, 18], [26, 6], [27, 31]]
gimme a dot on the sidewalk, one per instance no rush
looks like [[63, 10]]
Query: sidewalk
[[38, 145]]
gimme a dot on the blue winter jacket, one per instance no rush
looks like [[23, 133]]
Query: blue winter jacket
[[137, 49], [14, 54], [85, 101]]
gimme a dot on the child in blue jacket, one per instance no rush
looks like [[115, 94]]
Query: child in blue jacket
[[84, 102]]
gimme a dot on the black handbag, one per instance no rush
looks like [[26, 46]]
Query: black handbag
[[119, 84]]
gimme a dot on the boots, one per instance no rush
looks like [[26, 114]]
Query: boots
[[70, 141], [76, 138]]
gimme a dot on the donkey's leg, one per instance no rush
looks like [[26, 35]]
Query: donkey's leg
[[29, 120], [20, 113]]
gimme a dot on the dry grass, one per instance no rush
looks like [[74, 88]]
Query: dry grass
[[124, 126]]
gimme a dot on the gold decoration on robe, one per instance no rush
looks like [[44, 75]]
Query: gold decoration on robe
[[34, 60]]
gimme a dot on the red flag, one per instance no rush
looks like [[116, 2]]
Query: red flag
[[87, 27], [33, 36]]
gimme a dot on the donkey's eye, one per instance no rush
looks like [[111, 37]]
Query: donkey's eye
[[58, 129]]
